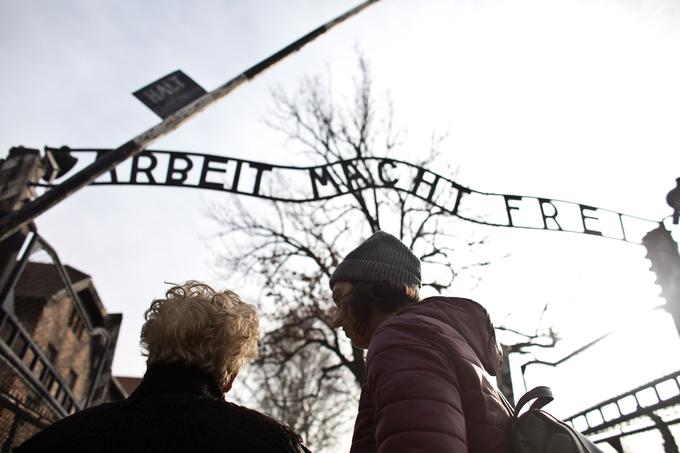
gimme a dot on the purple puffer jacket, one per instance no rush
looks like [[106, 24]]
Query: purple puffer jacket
[[427, 388]]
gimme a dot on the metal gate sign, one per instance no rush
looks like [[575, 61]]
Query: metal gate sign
[[331, 180], [167, 95]]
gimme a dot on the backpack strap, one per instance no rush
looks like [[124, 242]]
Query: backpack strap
[[506, 403], [543, 395]]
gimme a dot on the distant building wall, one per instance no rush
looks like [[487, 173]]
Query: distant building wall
[[73, 346], [48, 315], [23, 412]]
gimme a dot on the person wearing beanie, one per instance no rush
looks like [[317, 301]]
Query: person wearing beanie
[[427, 385]]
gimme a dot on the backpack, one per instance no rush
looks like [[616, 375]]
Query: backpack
[[536, 431]]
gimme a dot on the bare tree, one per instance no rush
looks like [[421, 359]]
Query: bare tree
[[292, 395], [291, 249], [546, 338], [523, 343]]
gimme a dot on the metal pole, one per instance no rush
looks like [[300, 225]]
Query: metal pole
[[14, 220]]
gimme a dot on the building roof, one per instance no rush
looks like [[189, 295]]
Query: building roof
[[42, 280], [129, 384]]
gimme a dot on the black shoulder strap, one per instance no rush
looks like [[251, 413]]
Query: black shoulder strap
[[542, 394], [506, 403]]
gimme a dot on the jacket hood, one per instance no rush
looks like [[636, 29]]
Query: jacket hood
[[471, 320]]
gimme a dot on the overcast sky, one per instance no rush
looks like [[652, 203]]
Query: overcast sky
[[573, 100]]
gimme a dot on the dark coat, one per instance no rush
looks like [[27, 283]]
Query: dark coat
[[427, 388], [174, 409]]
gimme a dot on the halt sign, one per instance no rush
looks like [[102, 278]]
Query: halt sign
[[168, 94]]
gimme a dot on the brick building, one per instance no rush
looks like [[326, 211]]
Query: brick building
[[57, 342], [56, 338]]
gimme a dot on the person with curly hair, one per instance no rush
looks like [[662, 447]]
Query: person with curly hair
[[195, 339]]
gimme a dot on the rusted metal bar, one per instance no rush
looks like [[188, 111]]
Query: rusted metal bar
[[36, 241], [13, 404], [14, 220], [615, 436], [29, 375], [17, 269], [640, 410]]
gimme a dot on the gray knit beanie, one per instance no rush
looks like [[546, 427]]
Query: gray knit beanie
[[381, 257]]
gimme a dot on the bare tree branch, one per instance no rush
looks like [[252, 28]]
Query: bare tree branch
[[306, 372]]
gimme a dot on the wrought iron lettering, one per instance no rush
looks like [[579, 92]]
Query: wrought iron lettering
[[202, 171]]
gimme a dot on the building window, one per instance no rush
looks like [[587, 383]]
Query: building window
[[73, 319], [72, 378], [51, 353], [20, 346], [81, 328], [76, 323]]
